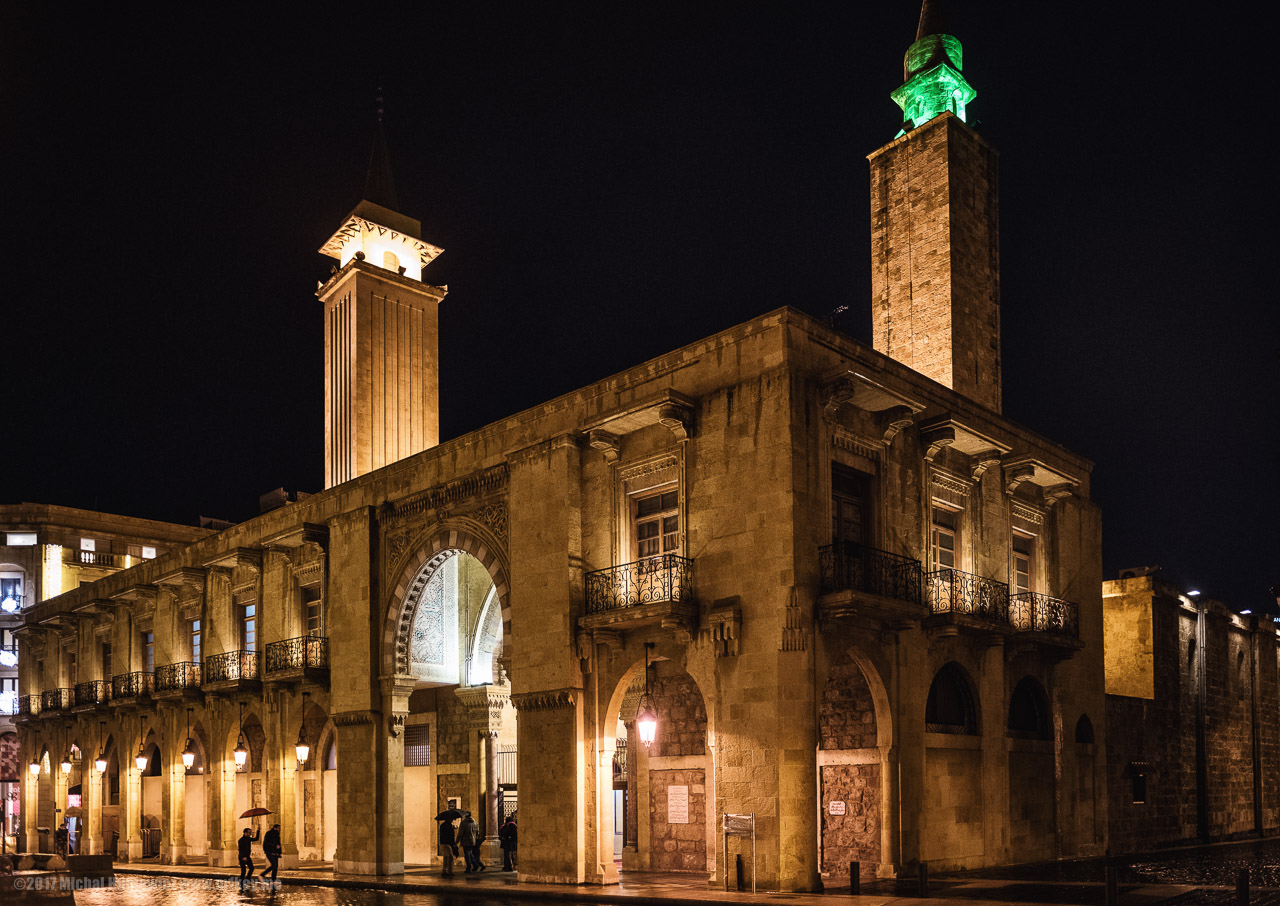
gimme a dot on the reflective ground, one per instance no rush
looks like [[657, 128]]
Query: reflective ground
[[139, 891]]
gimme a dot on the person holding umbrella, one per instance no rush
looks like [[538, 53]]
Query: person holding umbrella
[[448, 840]]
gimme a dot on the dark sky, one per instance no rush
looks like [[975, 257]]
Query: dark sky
[[611, 181]]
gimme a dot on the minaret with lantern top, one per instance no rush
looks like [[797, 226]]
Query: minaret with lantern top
[[935, 228], [381, 334]]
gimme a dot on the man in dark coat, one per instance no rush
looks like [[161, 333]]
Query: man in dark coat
[[246, 854], [469, 840], [507, 837], [448, 847], [272, 849]]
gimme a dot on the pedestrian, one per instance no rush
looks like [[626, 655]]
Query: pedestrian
[[246, 854], [60, 839], [507, 837], [448, 847], [272, 850], [469, 840]]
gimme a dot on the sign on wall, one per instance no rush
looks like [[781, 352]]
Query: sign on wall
[[835, 807], [677, 805]]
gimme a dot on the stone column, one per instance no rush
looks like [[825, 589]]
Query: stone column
[[91, 792], [551, 743], [174, 795], [130, 849], [483, 707], [911, 681], [994, 708], [29, 806], [282, 770]]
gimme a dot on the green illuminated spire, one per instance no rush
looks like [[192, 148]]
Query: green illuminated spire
[[931, 72]]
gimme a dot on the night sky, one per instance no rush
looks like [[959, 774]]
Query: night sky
[[609, 182]]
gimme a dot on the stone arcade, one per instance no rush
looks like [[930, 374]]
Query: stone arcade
[[871, 603]]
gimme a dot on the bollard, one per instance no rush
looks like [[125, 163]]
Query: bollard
[[742, 874], [1242, 887], [924, 878], [855, 879], [1112, 875]]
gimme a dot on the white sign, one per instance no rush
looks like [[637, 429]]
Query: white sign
[[677, 805], [835, 807]]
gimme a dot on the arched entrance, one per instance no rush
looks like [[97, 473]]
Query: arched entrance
[[853, 742], [1032, 799], [315, 834], [195, 828], [444, 638]]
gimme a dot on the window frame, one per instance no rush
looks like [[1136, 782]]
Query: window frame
[[659, 518], [955, 532], [1015, 587]]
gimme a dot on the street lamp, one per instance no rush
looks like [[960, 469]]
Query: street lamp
[[189, 753], [647, 715], [303, 748], [34, 768], [141, 758], [100, 763], [241, 754], [66, 764]]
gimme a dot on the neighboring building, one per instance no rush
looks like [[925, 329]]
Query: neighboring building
[[44, 551], [862, 605], [1193, 716]]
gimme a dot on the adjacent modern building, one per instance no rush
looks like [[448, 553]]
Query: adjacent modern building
[[858, 607]]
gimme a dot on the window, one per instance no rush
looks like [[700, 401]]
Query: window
[[249, 627], [10, 593], [88, 544], [390, 261], [106, 662], [20, 539], [1139, 789], [71, 670], [657, 526], [148, 552], [1029, 711], [311, 610], [950, 707], [8, 695], [195, 641], [142, 552], [944, 537], [1023, 549], [148, 652], [417, 746], [848, 507]]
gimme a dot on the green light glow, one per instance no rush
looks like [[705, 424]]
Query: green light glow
[[933, 84]]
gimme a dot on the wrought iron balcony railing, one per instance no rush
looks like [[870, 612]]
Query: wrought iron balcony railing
[[178, 677], [94, 692], [649, 581], [230, 667], [954, 591], [310, 652], [55, 700], [856, 567], [1030, 611], [29, 705], [131, 685], [93, 558]]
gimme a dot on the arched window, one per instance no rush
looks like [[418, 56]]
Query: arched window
[[950, 707], [1028, 711], [1084, 730], [390, 261], [331, 756]]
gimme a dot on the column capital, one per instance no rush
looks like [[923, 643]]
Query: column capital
[[483, 706]]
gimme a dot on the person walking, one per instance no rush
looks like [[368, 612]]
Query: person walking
[[507, 837], [272, 850], [469, 840], [448, 847], [246, 854]]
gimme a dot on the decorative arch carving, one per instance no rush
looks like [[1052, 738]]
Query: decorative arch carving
[[428, 553]]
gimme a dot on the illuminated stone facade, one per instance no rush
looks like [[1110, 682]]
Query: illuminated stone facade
[[870, 606]]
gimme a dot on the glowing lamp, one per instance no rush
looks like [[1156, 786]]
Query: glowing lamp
[[34, 768], [140, 760], [66, 765], [188, 755], [302, 748], [647, 720], [241, 754], [100, 763]]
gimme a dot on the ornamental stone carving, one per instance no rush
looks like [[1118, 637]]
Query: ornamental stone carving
[[549, 700]]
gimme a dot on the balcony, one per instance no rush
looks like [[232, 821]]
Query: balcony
[[231, 670], [966, 599], [175, 681], [132, 688], [100, 559], [52, 700], [305, 658], [1045, 620], [657, 590], [91, 695], [29, 706], [857, 579]]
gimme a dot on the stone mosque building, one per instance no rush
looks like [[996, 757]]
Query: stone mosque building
[[861, 605]]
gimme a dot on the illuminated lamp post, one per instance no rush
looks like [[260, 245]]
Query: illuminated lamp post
[[100, 763], [303, 748], [189, 753], [34, 768], [647, 714], [241, 754]]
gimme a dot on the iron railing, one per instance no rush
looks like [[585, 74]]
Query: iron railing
[[856, 567], [132, 685], [230, 667], [93, 558], [29, 705], [11, 603], [55, 700], [620, 762], [178, 677], [308, 652], [649, 581], [1030, 611], [93, 692], [955, 591]]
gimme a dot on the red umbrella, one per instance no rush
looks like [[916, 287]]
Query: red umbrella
[[255, 812]]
